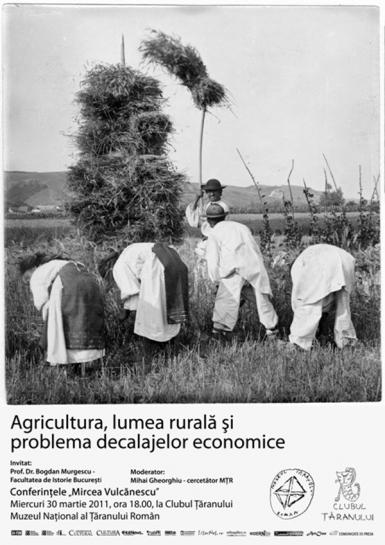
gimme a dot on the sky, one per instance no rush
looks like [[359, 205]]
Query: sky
[[303, 81]]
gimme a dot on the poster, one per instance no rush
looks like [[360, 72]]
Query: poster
[[239, 439]]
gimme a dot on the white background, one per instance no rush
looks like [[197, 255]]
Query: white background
[[320, 439]]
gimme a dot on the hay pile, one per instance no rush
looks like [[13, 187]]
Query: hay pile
[[185, 63], [123, 186]]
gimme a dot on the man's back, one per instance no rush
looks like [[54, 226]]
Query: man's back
[[319, 270], [231, 234], [231, 248]]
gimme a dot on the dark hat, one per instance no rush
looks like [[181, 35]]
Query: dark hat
[[213, 185], [215, 210]]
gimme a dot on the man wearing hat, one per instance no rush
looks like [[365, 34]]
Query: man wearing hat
[[195, 214], [233, 259]]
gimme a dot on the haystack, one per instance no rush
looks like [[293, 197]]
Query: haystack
[[123, 185]]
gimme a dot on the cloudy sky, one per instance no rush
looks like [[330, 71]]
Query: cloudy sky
[[302, 80]]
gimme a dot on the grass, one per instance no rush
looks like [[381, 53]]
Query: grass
[[242, 372], [30, 231], [193, 369]]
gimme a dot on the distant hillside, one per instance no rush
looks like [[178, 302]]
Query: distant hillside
[[34, 188], [49, 188], [247, 197]]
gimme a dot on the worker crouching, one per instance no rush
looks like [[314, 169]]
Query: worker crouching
[[153, 283], [233, 259], [72, 308], [323, 279]]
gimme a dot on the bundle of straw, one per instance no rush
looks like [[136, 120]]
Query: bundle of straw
[[115, 91], [153, 128], [185, 63]]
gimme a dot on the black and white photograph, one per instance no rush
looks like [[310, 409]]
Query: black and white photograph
[[191, 204]]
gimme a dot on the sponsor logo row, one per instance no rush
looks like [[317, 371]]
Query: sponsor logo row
[[186, 533]]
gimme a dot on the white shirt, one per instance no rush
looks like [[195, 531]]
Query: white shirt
[[127, 272], [139, 275], [231, 248], [319, 270], [41, 282]]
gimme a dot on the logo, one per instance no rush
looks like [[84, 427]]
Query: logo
[[294, 533], [334, 533], [316, 533], [16, 533], [47, 533], [187, 532], [209, 533], [109, 533], [346, 506], [169, 533], [360, 534], [260, 533], [153, 532], [236, 533], [80, 533], [348, 488], [131, 533], [60, 533], [291, 493], [31, 533]]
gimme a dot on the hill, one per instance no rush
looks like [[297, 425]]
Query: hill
[[34, 188], [49, 188], [247, 197]]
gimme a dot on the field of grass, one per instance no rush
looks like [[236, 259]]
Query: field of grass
[[194, 368], [28, 231]]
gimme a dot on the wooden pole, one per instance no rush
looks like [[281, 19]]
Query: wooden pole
[[326, 190], [331, 172], [251, 176], [122, 53], [288, 183], [375, 189], [201, 147]]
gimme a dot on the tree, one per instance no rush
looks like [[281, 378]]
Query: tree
[[123, 186]]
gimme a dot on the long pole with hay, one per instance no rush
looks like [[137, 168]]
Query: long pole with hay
[[185, 63]]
